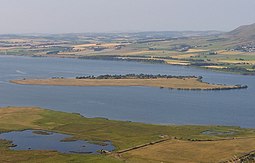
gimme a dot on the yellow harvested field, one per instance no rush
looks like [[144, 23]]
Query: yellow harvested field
[[216, 67], [196, 50], [177, 151], [177, 62], [175, 83]]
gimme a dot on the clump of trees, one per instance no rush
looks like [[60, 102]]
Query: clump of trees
[[135, 76]]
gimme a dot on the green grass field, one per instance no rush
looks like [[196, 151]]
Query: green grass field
[[122, 134]]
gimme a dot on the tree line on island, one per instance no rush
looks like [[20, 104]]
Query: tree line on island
[[135, 76]]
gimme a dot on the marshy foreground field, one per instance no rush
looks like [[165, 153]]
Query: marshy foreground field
[[134, 142]]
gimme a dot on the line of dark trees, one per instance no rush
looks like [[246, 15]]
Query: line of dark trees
[[134, 76], [216, 89]]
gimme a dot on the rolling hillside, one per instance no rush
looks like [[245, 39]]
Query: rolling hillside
[[246, 32]]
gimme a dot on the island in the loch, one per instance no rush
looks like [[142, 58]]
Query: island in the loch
[[162, 81]]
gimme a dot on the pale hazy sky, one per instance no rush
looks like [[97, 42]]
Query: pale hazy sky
[[72, 16]]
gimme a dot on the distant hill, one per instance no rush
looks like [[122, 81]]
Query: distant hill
[[244, 33]]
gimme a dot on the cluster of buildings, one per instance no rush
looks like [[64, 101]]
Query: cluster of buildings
[[245, 48]]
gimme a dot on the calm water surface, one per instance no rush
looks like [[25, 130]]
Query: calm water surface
[[140, 104], [30, 140]]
